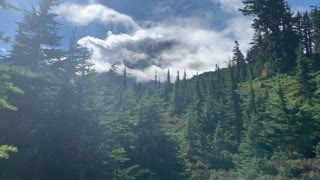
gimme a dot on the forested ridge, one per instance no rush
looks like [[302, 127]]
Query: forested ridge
[[257, 118]]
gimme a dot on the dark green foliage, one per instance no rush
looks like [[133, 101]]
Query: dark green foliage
[[307, 34], [239, 63], [178, 100], [307, 87], [235, 107], [167, 88], [273, 21], [315, 18], [7, 88]]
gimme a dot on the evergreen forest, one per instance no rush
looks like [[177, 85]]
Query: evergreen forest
[[258, 118]]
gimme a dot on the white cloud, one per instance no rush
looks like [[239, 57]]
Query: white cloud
[[84, 14], [178, 43], [167, 46]]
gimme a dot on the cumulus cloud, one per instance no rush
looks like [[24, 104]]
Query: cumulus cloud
[[140, 50], [165, 46], [175, 44], [84, 14]]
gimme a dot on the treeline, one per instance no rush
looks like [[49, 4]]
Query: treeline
[[259, 117]]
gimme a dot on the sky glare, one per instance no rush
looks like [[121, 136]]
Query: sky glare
[[151, 35]]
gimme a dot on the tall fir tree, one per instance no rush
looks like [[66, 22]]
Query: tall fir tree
[[239, 63], [37, 40], [274, 20], [315, 18], [306, 86]]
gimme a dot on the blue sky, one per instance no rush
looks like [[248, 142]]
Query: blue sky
[[191, 35]]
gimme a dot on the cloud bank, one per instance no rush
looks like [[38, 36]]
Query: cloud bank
[[84, 14], [178, 44]]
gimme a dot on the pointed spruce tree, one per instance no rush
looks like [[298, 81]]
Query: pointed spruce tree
[[37, 40]]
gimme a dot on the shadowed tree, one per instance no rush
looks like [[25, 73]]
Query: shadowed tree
[[37, 40]]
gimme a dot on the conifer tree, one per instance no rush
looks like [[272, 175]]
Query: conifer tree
[[315, 18], [155, 152], [125, 80], [177, 98], [35, 48], [195, 137], [167, 88], [274, 20], [307, 87], [221, 146], [235, 105], [7, 87], [37, 41], [307, 35], [239, 63], [68, 105], [280, 122]]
